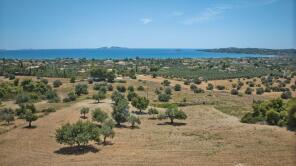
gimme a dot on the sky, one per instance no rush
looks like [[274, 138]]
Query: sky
[[49, 24]]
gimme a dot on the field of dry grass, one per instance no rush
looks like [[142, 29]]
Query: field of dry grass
[[206, 137]]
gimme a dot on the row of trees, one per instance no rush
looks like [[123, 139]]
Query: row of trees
[[25, 111]]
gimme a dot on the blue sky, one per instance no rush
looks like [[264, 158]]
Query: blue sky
[[39, 24]]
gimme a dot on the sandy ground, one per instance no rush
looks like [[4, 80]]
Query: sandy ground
[[207, 137]]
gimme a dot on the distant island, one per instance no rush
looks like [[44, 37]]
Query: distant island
[[263, 51]]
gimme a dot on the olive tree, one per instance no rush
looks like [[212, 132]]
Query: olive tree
[[79, 133], [106, 131], [7, 115], [81, 89], [133, 120], [173, 113], [99, 116], [120, 111], [84, 111], [141, 103], [153, 111], [30, 117], [99, 96]]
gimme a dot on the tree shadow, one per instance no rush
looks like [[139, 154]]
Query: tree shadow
[[5, 124], [83, 117], [32, 127], [152, 118], [121, 126], [75, 150], [139, 113], [134, 127], [172, 124], [107, 143]]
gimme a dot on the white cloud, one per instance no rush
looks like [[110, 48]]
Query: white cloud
[[213, 12], [146, 20], [208, 14], [177, 13]]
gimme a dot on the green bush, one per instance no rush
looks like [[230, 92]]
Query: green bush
[[121, 89], [286, 95], [220, 87], [259, 91], [164, 97], [140, 88], [234, 91], [57, 83], [81, 89], [272, 117], [210, 86], [7, 115], [99, 116], [177, 87]]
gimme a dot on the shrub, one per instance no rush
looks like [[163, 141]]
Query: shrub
[[16, 82], [164, 97], [166, 83], [141, 103], [79, 133], [234, 91], [168, 91], [7, 115], [72, 80], [121, 89], [131, 88], [193, 87], [259, 91], [187, 82], [131, 95], [49, 110], [153, 111], [52, 96], [71, 97], [140, 88], [286, 95], [99, 86], [220, 87], [11, 76], [198, 90], [81, 89], [291, 108], [248, 91], [109, 87], [133, 120], [272, 117], [57, 83], [22, 98], [177, 87], [197, 81], [44, 81], [210, 86], [84, 111]]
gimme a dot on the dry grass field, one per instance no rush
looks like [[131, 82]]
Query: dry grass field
[[207, 137]]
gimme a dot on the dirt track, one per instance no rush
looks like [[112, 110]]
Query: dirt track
[[209, 137]]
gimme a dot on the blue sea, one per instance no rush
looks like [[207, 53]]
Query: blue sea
[[117, 53]]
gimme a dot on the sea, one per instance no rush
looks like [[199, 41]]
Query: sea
[[118, 53]]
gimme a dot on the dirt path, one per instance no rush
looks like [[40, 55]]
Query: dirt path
[[207, 137]]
